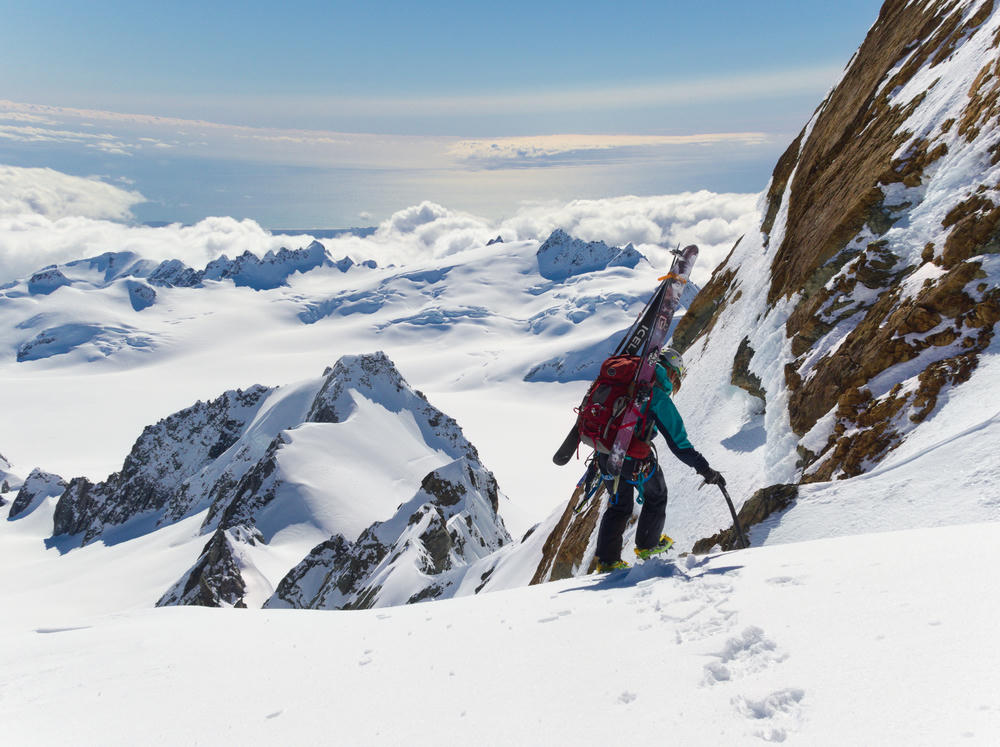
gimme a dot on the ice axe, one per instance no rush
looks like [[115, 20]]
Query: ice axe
[[736, 522], [732, 510]]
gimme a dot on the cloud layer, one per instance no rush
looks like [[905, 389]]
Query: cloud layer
[[52, 194], [654, 224], [48, 218], [542, 150]]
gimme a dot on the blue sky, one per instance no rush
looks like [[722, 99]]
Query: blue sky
[[433, 72]]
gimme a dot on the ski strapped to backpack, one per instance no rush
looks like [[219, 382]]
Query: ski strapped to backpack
[[673, 286], [611, 418]]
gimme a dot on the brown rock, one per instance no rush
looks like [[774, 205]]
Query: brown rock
[[757, 508], [741, 375], [919, 319], [704, 311], [564, 548]]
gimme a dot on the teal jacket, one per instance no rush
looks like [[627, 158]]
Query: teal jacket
[[669, 422]]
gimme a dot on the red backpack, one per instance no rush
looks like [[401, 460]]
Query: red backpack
[[600, 414]]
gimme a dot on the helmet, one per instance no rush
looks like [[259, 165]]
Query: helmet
[[672, 360]]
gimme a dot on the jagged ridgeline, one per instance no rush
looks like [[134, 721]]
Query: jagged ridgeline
[[870, 293], [356, 456]]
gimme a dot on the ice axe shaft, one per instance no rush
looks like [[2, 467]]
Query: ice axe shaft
[[736, 522]]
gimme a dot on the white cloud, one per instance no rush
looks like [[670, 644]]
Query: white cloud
[[543, 149], [33, 134], [18, 116], [722, 88], [655, 224], [53, 222], [29, 242], [54, 195], [711, 220]]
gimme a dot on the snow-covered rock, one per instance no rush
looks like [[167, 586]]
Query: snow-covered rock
[[561, 256], [156, 473], [247, 270], [217, 578], [140, 294], [271, 270], [108, 267], [421, 553], [173, 273], [260, 273], [95, 340], [37, 486], [333, 455], [46, 281], [8, 480]]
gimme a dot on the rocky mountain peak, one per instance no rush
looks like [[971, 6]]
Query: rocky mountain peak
[[375, 377], [46, 281], [244, 459], [421, 553], [37, 486], [561, 256]]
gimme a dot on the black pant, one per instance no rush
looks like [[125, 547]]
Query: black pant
[[619, 511]]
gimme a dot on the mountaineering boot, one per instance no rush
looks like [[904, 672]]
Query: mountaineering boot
[[663, 545], [618, 565]]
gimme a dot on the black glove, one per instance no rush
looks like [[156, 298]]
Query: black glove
[[713, 477]]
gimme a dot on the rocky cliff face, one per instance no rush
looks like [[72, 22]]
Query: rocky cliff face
[[166, 471], [880, 231], [873, 285]]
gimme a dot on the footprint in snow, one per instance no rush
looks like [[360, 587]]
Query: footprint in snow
[[785, 581], [751, 652], [775, 715], [556, 616], [700, 615]]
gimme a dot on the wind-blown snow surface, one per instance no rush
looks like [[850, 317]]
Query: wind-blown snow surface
[[874, 639]]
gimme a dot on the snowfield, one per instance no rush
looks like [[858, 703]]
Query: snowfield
[[871, 639], [863, 639], [418, 467]]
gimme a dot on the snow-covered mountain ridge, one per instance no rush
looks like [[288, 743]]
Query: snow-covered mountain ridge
[[301, 459], [260, 273]]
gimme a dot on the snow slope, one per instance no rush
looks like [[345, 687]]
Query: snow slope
[[872, 639], [864, 613]]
